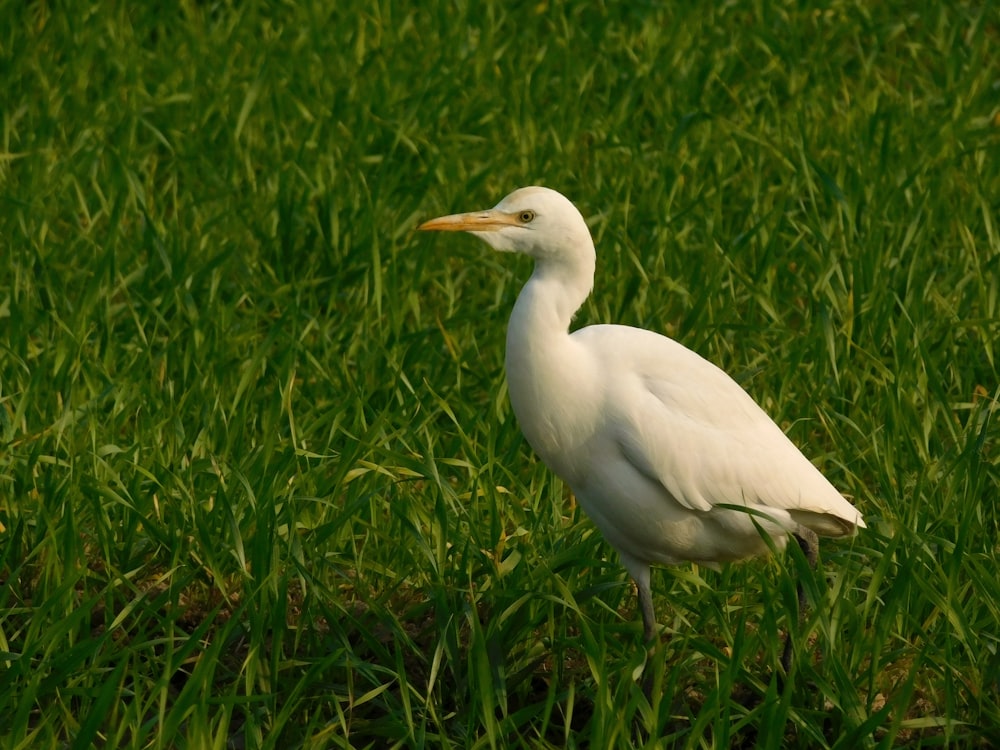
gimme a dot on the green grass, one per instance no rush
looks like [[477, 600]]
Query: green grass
[[260, 485]]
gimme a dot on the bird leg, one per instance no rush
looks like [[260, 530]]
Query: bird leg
[[645, 594], [809, 544], [646, 607]]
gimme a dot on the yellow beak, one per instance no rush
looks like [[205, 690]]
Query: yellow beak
[[474, 221]]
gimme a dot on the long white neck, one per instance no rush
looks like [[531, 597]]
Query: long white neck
[[544, 365], [549, 300]]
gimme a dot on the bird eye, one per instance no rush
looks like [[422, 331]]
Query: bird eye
[[526, 216]]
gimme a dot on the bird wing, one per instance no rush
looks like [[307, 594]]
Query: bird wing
[[686, 424]]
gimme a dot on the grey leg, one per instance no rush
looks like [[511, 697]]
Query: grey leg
[[646, 607], [641, 577], [809, 544]]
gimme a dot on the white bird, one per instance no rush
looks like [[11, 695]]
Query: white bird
[[667, 455]]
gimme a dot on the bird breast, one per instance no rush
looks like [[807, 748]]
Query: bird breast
[[556, 396]]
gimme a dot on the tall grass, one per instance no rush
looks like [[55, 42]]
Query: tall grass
[[260, 485]]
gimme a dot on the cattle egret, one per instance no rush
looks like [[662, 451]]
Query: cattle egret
[[669, 457]]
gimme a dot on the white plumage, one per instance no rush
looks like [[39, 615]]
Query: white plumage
[[656, 442]]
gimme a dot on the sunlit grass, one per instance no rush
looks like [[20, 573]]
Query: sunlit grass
[[260, 484]]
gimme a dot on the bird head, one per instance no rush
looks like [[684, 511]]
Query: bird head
[[535, 221]]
